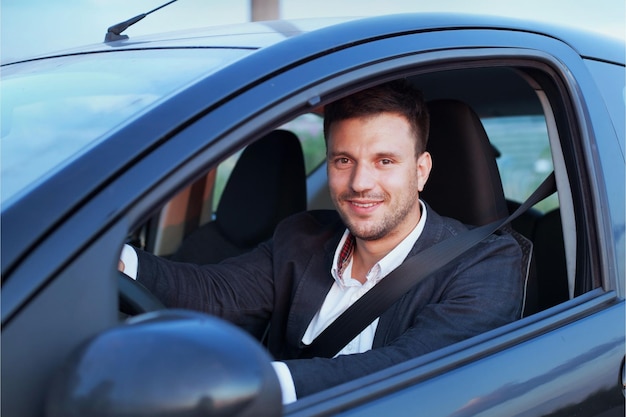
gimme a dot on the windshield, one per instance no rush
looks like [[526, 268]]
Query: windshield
[[55, 109]]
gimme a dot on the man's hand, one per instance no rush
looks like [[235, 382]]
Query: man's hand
[[127, 263]]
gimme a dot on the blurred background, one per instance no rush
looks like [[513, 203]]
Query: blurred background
[[33, 27]]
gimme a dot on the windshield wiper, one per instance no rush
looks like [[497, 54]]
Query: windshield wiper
[[114, 33]]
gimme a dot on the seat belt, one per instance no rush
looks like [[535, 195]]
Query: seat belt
[[413, 270]]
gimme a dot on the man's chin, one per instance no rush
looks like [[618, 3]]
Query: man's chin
[[366, 232]]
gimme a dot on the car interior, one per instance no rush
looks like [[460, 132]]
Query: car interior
[[267, 184], [493, 140]]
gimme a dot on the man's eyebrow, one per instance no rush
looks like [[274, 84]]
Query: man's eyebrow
[[377, 155], [331, 154], [389, 154]]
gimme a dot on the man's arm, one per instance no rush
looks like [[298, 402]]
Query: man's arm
[[238, 290]]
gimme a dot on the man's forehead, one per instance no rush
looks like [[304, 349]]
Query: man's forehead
[[381, 136], [371, 126], [372, 116]]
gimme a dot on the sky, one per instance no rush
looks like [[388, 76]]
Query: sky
[[33, 27]]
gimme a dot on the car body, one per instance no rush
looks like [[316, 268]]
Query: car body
[[99, 142]]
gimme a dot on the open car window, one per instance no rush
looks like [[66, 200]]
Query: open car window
[[525, 156], [520, 137]]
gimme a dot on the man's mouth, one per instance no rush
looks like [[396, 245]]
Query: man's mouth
[[364, 205]]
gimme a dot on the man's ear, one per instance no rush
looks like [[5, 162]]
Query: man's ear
[[424, 165]]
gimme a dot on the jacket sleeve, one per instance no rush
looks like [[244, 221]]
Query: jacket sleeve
[[239, 289], [481, 291]]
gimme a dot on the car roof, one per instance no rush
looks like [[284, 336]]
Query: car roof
[[255, 35]]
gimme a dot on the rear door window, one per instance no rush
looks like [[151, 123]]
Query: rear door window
[[524, 157]]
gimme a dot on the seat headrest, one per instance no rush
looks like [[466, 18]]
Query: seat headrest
[[267, 184], [464, 182]]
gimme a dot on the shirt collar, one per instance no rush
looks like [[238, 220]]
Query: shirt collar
[[344, 257], [345, 248]]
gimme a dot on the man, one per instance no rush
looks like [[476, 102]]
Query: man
[[319, 263]]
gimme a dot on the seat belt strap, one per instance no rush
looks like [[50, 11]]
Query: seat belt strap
[[413, 270]]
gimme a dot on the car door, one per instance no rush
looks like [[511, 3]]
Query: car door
[[568, 358]]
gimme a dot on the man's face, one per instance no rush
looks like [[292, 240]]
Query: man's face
[[374, 175]]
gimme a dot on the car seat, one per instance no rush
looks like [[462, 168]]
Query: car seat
[[465, 182], [267, 184]]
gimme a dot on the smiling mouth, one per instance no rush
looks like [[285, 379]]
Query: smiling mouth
[[361, 203], [364, 205]]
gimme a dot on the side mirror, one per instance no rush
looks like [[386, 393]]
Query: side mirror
[[167, 363]]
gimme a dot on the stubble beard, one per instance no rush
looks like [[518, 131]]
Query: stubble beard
[[375, 230]]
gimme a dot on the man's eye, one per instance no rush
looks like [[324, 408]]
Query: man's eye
[[343, 161], [386, 161]]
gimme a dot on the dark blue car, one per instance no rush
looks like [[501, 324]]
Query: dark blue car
[[133, 141]]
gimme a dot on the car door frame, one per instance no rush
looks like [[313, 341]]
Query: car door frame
[[558, 324]]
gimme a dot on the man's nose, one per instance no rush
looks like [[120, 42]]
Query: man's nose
[[363, 178]]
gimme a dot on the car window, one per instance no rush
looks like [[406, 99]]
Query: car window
[[54, 111], [310, 130], [524, 155]]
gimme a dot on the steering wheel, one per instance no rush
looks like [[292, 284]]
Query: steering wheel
[[134, 298]]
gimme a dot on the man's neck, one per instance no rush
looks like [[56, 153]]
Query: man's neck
[[368, 253]]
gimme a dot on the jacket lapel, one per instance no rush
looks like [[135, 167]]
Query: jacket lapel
[[312, 289]]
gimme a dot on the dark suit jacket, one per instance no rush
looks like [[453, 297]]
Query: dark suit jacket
[[285, 280]]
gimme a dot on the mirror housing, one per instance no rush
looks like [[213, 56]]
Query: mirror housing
[[167, 363]]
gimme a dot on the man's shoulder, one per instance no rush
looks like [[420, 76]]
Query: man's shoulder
[[439, 228]]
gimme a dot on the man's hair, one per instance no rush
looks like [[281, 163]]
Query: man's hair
[[398, 96]]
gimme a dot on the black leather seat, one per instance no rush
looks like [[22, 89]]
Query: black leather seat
[[465, 182], [267, 184]]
